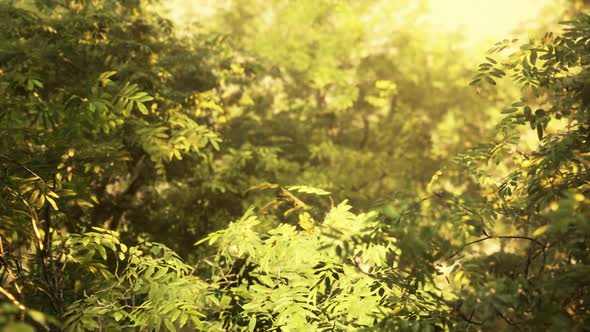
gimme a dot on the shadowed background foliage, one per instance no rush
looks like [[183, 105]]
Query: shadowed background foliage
[[349, 165]]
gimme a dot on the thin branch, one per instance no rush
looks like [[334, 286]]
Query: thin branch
[[512, 237], [508, 320], [5, 158], [12, 299], [456, 308], [470, 319], [521, 238], [467, 245], [8, 267]]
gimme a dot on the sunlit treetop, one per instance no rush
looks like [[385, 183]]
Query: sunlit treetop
[[481, 21]]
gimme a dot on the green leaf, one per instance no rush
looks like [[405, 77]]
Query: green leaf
[[509, 110], [252, 324], [525, 63], [18, 327], [142, 108], [491, 60], [308, 190], [169, 325], [541, 230], [51, 201], [37, 316], [102, 251], [145, 98], [527, 112], [106, 75], [540, 131], [38, 83], [518, 104], [215, 144], [183, 319]]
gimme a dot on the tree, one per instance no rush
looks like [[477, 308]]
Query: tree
[[90, 118], [539, 210], [113, 143]]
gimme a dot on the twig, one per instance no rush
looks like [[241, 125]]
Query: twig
[[518, 237], [470, 319], [3, 157], [508, 320], [13, 299]]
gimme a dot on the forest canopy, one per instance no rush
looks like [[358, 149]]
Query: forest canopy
[[292, 166]]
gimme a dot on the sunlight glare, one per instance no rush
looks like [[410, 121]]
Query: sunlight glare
[[482, 21]]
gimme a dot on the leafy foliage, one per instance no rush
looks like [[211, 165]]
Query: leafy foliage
[[539, 283], [339, 274], [120, 134]]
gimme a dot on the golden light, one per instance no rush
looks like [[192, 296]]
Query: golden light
[[484, 21], [480, 22]]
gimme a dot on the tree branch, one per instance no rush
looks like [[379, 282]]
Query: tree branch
[[512, 237]]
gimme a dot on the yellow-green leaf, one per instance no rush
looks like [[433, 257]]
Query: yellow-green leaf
[[541, 230]]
